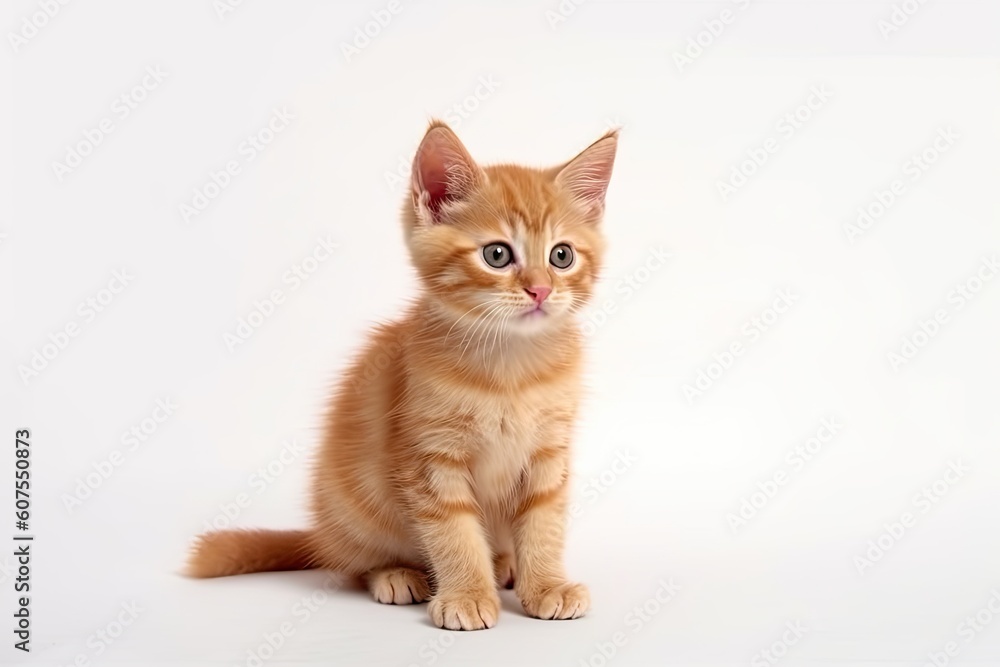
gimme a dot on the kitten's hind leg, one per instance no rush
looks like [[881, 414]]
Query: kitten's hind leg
[[502, 544], [503, 570], [398, 585]]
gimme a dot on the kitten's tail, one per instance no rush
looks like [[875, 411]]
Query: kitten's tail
[[228, 552]]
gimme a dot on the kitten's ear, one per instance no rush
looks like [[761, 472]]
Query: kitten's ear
[[587, 175], [443, 172]]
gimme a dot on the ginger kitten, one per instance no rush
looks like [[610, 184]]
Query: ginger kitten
[[443, 472]]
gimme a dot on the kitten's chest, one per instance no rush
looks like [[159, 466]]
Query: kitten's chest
[[507, 433]]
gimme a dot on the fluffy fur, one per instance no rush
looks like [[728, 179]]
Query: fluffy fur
[[443, 472]]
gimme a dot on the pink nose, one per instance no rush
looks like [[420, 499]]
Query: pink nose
[[538, 294]]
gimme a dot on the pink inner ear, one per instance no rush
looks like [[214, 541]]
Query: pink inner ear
[[433, 173], [442, 169]]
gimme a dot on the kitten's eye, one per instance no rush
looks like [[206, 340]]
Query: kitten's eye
[[498, 255], [561, 256]]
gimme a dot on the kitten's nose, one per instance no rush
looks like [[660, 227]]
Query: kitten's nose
[[539, 293]]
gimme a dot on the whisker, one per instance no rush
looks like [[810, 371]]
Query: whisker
[[471, 335], [480, 305]]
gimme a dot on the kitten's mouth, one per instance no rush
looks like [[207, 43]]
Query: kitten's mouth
[[536, 312]]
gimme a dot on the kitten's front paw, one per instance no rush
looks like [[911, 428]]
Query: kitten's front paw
[[566, 600], [465, 611], [398, 585]]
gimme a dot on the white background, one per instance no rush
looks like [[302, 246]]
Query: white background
[[557, 86]]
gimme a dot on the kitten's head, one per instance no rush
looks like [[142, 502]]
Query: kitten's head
[[507, 246]]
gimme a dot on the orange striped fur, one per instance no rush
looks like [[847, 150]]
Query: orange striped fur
[[443, 472]]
